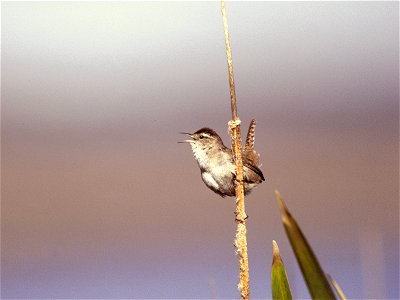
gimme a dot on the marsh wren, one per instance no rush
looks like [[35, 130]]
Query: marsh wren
[[216, 162]]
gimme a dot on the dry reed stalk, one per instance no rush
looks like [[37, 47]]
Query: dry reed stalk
[[240, 213]]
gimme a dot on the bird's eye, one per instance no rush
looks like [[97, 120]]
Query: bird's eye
[[201, 136]]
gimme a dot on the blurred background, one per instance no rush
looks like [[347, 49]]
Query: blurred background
[[98, 199]]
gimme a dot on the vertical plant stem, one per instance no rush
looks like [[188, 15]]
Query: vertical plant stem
[[234, 125], [230, 65]]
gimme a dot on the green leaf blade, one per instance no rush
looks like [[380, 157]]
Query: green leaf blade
[[279, 282], [315, 278]]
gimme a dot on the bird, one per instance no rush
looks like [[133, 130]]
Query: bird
[[216, 161]]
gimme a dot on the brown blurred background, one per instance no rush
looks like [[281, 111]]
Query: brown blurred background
[[98, 199]]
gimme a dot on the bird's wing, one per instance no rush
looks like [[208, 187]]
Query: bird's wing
[[255, 169]]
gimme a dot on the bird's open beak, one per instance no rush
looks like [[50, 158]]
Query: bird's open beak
[[187, 141]]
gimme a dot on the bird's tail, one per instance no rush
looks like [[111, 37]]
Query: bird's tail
[[249, 151]]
